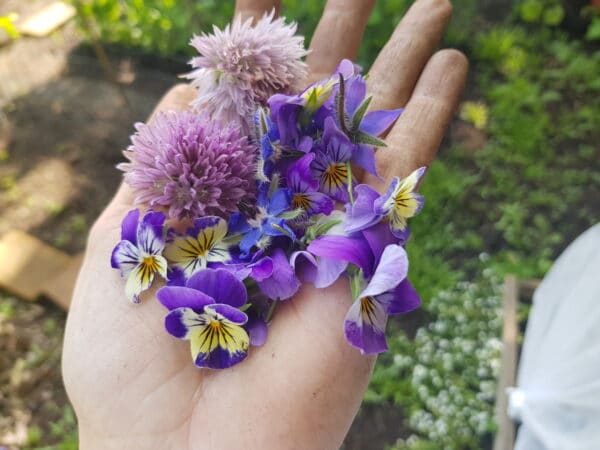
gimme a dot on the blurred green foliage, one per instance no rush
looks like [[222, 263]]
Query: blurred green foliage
[[509, 207]]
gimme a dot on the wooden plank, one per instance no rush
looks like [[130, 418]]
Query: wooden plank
[[47, 19], [505, 437]]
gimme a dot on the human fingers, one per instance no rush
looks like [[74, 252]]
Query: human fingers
[[338, 35], [414, 139], [399, 64], [256, 8]]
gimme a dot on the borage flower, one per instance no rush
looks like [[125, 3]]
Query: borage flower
[[383, 268], [261, 222], [139, 254], [397, 205], [202, 244], [243, 65], [190, 165], [206, 312]]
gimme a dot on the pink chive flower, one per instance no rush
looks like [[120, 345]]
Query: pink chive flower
[[241, 66], [189, 165]]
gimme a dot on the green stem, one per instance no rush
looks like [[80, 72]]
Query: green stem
[[349, 182], [271, 311]]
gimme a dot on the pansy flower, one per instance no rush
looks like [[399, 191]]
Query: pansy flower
[[330, 166], [139, 254], [305, 194], [398, 204], [382, 286], [206, 312], [202, 244], [263, 221]]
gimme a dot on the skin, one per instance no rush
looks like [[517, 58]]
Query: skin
[[133, 386]]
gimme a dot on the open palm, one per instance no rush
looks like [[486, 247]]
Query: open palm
[[133, 386]]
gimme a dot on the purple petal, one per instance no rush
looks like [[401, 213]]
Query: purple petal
[[250, 239], [176, 277], [220, 358], [241, 271], [125, 257], [150, 233], [203, 223], [282, 284], [365, 328], [391, 270], [179, 322], [376, 122], [337, 144], [299, 177], [364, 156], [321, 272], [229, 312], [356, 90], [352, 249], [379, 236], [261, 269], [402, 299], [319, 203], [258, 331], [238, 223], [129, 226], [172, 297], [361, 214], [221, 285], [347, 68]]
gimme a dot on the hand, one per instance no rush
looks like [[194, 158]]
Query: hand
[[133, 386]]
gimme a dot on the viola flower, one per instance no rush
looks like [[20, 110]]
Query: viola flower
[[263, 221], [206, 312], [202, 244], [191, 166], [398, 204], [330, 166], [282, 284], [385, 294], [243, 65], [321, 272], [139, 254], [305, 194], [383, 268]]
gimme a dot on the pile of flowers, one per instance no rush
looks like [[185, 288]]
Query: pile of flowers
[[253, 192]]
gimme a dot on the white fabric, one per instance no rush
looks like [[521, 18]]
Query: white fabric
[[557, 398]]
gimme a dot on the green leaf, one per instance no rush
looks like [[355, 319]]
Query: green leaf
[[360, 113], [364, 138], [554, 15], [531, 10]]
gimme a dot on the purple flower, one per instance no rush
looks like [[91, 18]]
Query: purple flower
[[321, 272], [190, 165], [206, 312], [139, 254], [202, 244], [305, 195], [330, 166], [384, 267], [282, 284], [397, 205], [241, 66], [261, 222]]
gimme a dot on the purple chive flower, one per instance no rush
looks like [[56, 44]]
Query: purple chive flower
[[305, 195], [330, 166], [190, 165], [397, 205], [261, 222], [139, 254], [206, 312], [384, 267], [241, 66], [202, 244]]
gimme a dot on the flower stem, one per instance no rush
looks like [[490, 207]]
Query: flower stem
[[349, 182], [271, 311]]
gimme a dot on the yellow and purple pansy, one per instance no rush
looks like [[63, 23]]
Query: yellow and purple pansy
[[202, 244], [397, 205], [139, 254], [206, 312]]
